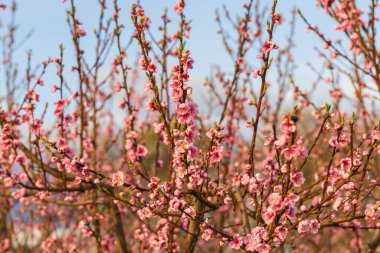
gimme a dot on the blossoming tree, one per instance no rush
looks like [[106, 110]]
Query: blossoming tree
[[157, 173]]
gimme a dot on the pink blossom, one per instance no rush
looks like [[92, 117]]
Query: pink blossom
[[308, 226], [287, 125], [236, 242], [174, 204], [118, 178], [185, 112], [372, 211], [255, 240], [255, 73], [281, 232], [314, 226], [277, 18], [216, 154], [268, 216], [207, 234], [40, 81], [8, 182], [141, 151], [290, 152], [297, 179], [275, 201], [303, 226], [178, 8], [268, 46], [191, 212]]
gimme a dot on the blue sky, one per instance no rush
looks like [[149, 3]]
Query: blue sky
[[47, 20]]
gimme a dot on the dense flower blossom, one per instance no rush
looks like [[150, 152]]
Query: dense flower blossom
[[255, 240], [125, 155]]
